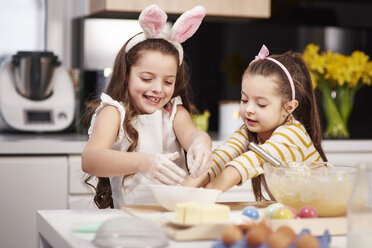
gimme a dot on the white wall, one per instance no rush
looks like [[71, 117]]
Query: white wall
[[22, 26], [59, 27]]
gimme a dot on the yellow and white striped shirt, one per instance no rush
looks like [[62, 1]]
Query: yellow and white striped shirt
[[289, 142]]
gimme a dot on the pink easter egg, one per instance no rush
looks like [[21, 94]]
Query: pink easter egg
[[308, 212]]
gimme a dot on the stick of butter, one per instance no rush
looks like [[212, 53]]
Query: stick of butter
[[196, 213]]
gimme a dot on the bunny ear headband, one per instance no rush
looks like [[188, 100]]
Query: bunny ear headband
[[263, 54], [152, 20]]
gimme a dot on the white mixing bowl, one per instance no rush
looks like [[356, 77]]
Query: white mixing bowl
[[168, 196]]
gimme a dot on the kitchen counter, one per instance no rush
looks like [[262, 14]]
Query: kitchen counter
[[71, 143], [55, 229], [58, 143]]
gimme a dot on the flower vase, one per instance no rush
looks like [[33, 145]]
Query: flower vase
[[336, 128], [337, 106], [338, 77]]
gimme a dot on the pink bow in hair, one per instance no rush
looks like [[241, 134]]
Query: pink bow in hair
[[263, 54]]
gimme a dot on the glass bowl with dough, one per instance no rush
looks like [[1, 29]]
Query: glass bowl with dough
[[324, 186]]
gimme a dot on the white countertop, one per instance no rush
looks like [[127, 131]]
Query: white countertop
[[71, 143], [55, 229], [63, 143]]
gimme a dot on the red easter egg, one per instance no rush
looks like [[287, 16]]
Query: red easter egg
[[308, 212]]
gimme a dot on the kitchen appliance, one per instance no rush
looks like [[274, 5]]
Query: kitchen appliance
[[36, 93]]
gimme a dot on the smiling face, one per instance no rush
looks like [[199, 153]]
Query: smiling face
[[151, 81], [261, 107]]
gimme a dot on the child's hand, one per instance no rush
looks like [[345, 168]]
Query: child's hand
[[161, 169], [199, 157], [196, 182]]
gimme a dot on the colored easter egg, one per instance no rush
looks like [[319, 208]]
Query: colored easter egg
[[251, 212], [308, 212], [293, 211], [283, 213], [272, 208]]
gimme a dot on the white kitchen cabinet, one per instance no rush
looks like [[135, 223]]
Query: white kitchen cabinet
[[80, 194], [29, 183], [232, 8]]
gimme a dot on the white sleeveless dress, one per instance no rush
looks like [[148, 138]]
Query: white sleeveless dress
[[156, 135]]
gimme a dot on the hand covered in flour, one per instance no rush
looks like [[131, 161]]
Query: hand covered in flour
[[160, 168], [199, 155]]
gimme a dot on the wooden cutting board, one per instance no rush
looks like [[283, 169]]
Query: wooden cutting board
[[196, 232], [176, 232], [317, 226]]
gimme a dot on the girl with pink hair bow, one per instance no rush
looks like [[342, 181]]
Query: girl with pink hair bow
[[279, 112], [140, 131]]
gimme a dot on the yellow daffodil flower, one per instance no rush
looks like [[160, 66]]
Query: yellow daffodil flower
[[338, 77]]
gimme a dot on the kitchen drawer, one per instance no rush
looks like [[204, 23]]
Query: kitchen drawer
[[81, 202], [76, 177], [29, 183]]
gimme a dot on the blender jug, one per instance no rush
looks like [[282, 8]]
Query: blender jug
[[33, 72]]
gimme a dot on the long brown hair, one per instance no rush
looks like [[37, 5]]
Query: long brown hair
[[118, 90], [306, 111]]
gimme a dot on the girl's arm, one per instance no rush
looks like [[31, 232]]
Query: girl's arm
[[197, 143], [100, 160], [232, 148], [196, 182], [280, 145], [228, 178]]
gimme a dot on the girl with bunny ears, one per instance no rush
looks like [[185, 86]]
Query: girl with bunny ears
[[279, 112], [142, 127]]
